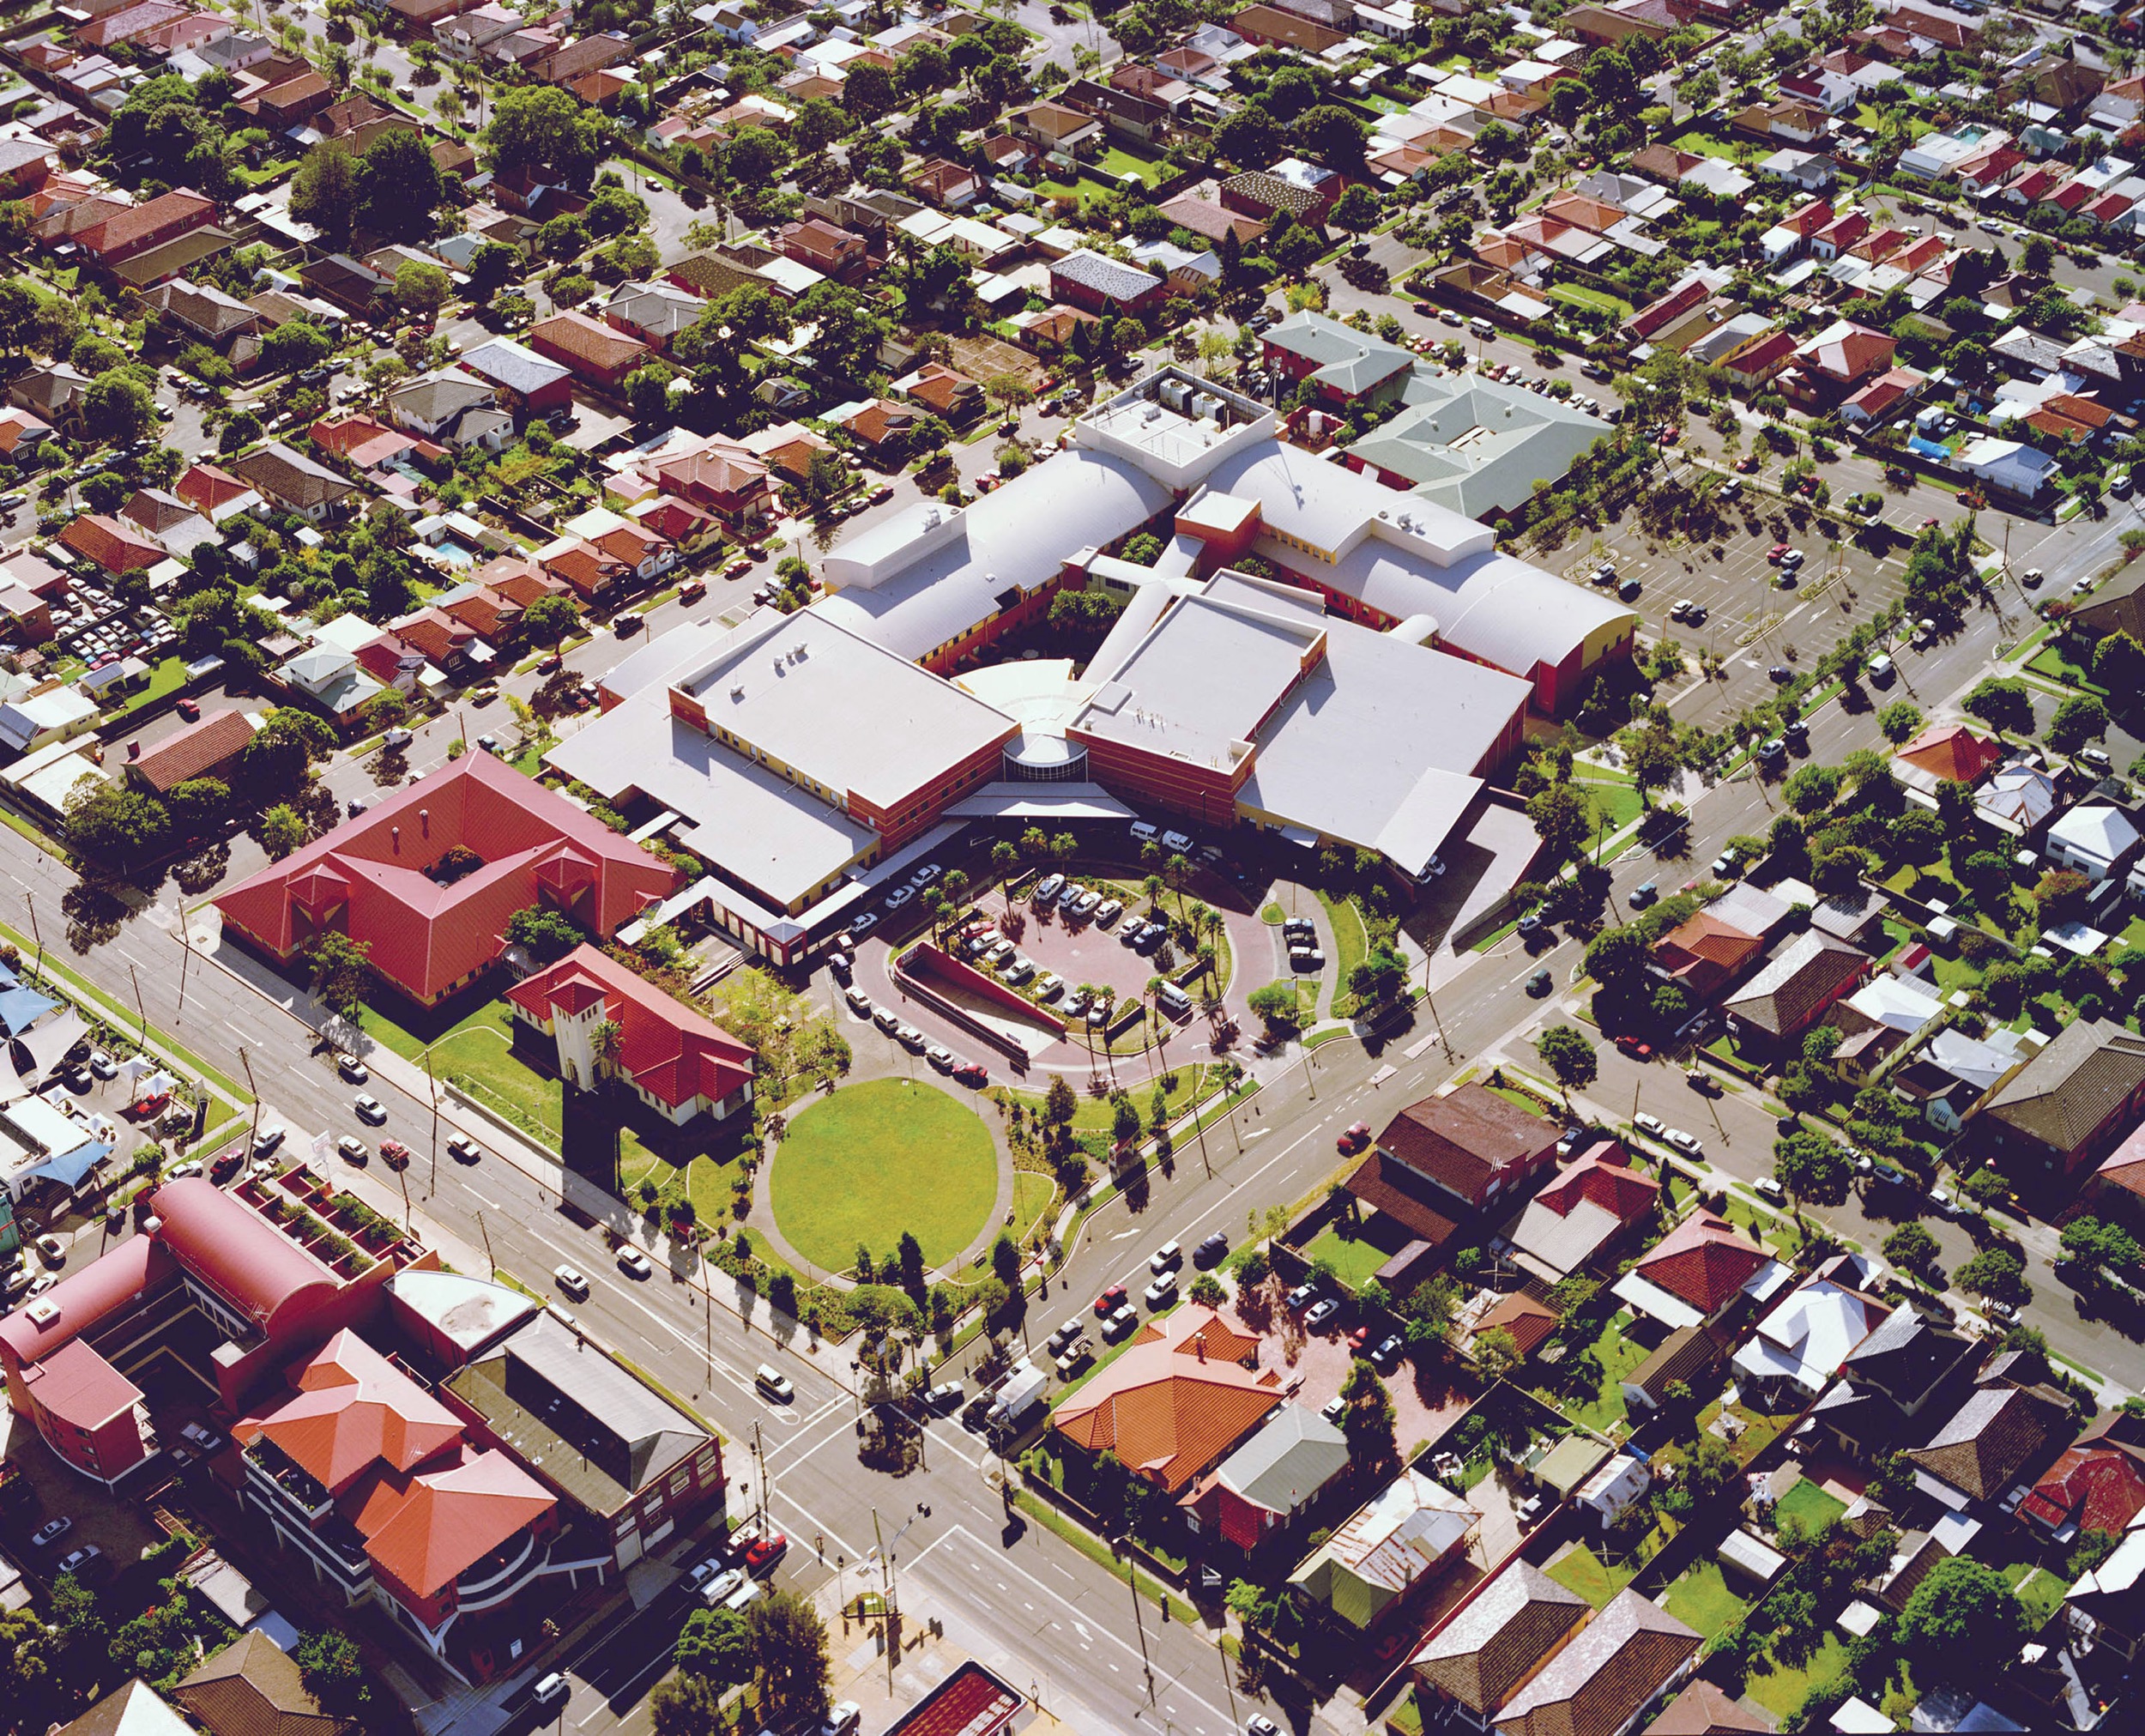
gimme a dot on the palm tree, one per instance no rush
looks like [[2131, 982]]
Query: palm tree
[[1151, 889], [603, 1052], [1087, 994], [1179, 870], [1109, 1004]]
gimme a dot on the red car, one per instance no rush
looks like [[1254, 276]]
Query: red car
[[766, 1552], [394, 1153], [1629, 1045], [1352, 1138], [1671, 434], [1110, 1302], [1776, 552], [1747, 463], [1358, 1339], [190, 710], [973, 1072]]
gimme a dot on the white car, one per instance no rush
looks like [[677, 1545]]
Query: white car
[[860, 1002], [940, 1056], [1047, 888], [634, 1263], [1650, 1124], [1175, 841], [899, 895], [924, 875], [103, 1065], [1686, 1143], [910, 1038], [353, 1149], [723, 1587], [52, 1531], [351, 1069], [570, 1279], [1107, 913], [369, 1109]]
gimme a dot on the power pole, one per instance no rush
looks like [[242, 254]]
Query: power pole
[[432, 1091], [1139, 1626], [247, 1062], [484, 1230], [140, 1012], [185, 956], [30, 903]]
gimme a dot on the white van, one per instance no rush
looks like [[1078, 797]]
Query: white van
[[1142, 830], [1173, 1001], [1881, 670], [1482, 327]]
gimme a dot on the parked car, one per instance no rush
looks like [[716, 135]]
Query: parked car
[[1210, 1252], [369, 1109], [1686, 1143], [1636, 1048], [634, 1263], [1352, 1138], [351, 1069], [1110, 1301], [569, 1279], [52, 1531], [353, 1149], [1320, 1314]]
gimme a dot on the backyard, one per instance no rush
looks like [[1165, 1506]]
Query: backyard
[[1598, 1405], [1353, 1260], [1701, 1600], [1581, 1570], [878, 1158], [1809, 1506], [1782, 1688]]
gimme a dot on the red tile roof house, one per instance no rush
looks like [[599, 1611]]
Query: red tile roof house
[[1174, 1403], [1792, 992], [368, 878], [944, 392], [674, 1061], [583, 567], [443, 640], [1581, 1216], [733, 485], [1706, 954], [942, 183], [834, 252], [122, 234], [2090, 1488], [592, 349], [1704, 1263], [206, 748], [1476, 1146], [115, 546], [1834, 363]]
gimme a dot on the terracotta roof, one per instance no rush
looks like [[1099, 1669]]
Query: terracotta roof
[[590, 341], [206, 487], [1485, 1653], [2095, 1488], [111, 544], [1211, 218], [138, 226], [1704, 1260], [1529, 1321], [1707, 938], [252, 1687], [1606, 1177], [423, 1529], [1703, 1709], [1467, 1138], [189, 753], [1987, 1441], [355, 1408], [1603, 1679], [1386, 1184], [2065, 1094], [1168, 1417], [714, 471], [664, 1046]]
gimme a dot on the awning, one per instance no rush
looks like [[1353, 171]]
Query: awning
[[1060, 801], [47, 1044], [69, 1168], [21, 1006]]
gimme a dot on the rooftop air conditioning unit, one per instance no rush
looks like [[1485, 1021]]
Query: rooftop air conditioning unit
[[737, 691], [43, 1311]]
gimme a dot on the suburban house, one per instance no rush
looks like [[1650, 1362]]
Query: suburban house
[[1794, 990], [2095, 839], [208, 747], [1470, 1143], [1099, 284], [252, 1687], [115, 545], [2091, 1487], [1265, 1486], [1706, 954], [1580, 1217], [1698, 1271], [2068, 1106], [596, 352], [1691, 1354], [1348, 366], [1477, 1662], [1980, 1451], [1905, 1366], [1174, 1403], [1606, 1676], [674, 1061], [292, 482], [2110, 1597], [1396, 1540], [1801, 1344]]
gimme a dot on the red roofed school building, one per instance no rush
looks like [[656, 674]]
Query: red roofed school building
[[676, 1062], [372, 878]]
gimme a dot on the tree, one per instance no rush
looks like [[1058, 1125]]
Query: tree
[[339, 971], [1996, 1273], [648, 392], [2099, 1242], [687, 1705], [334, 1672], [548, 620], [1811, 1167], [789, 1652], [1496, 1353], [324, 192], [399, 186], [118, 406], [1912, 1249], [491, 267], [1962, 1609], [1355, 210], [1569, 1056], [1206, 1291], [1006, 1256], [1367, 1422], [716, 1646], [1380, 978], [1617, 958], [909, 1263], [1247, 138], [540, 126], [1813, 789], [2119, 664], [2080, 719], [1333, 136], [118, 826], [1562, 820], [282, 752], [1898, 720], [2002, 704], [421, 288], [295, 344], [2037, 256], [1277, 1007]]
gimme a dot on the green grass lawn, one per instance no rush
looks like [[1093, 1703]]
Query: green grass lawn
[[1592, 1578], [1354, 1261], [1614, 800], [478, 1054], [1117, 161], [1778, 1235], [1351, 945], [1782, 1689], [1580, 296], [1092, 1114], [2040, 1591], [1619, 1356], [1705, 145], [164, 679], [1809, 1505], [2054, 663], [877, 1158], [1032, 1194], [1701, 1600]]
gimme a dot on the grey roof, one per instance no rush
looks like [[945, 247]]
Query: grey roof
[[1969, 1058], [1749, 908], [514, 365], [1477, 446], [1779, 997], [1104, 276], [1349, 360], [1287, 1463], [575, 1417], [431, 398]]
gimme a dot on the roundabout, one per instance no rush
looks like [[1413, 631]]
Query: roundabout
[[880, 1157]]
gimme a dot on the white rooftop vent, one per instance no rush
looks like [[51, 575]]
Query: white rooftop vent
[[43, 1311], [802, 651], [737, 691], [930, 518]]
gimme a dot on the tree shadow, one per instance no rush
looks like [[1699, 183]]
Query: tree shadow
[[197, 872], [94, 913]]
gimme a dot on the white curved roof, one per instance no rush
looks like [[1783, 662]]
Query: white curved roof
[[1333, 508], [1016, 536]]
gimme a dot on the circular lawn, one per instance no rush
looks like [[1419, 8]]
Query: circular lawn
[[875, 1159]]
